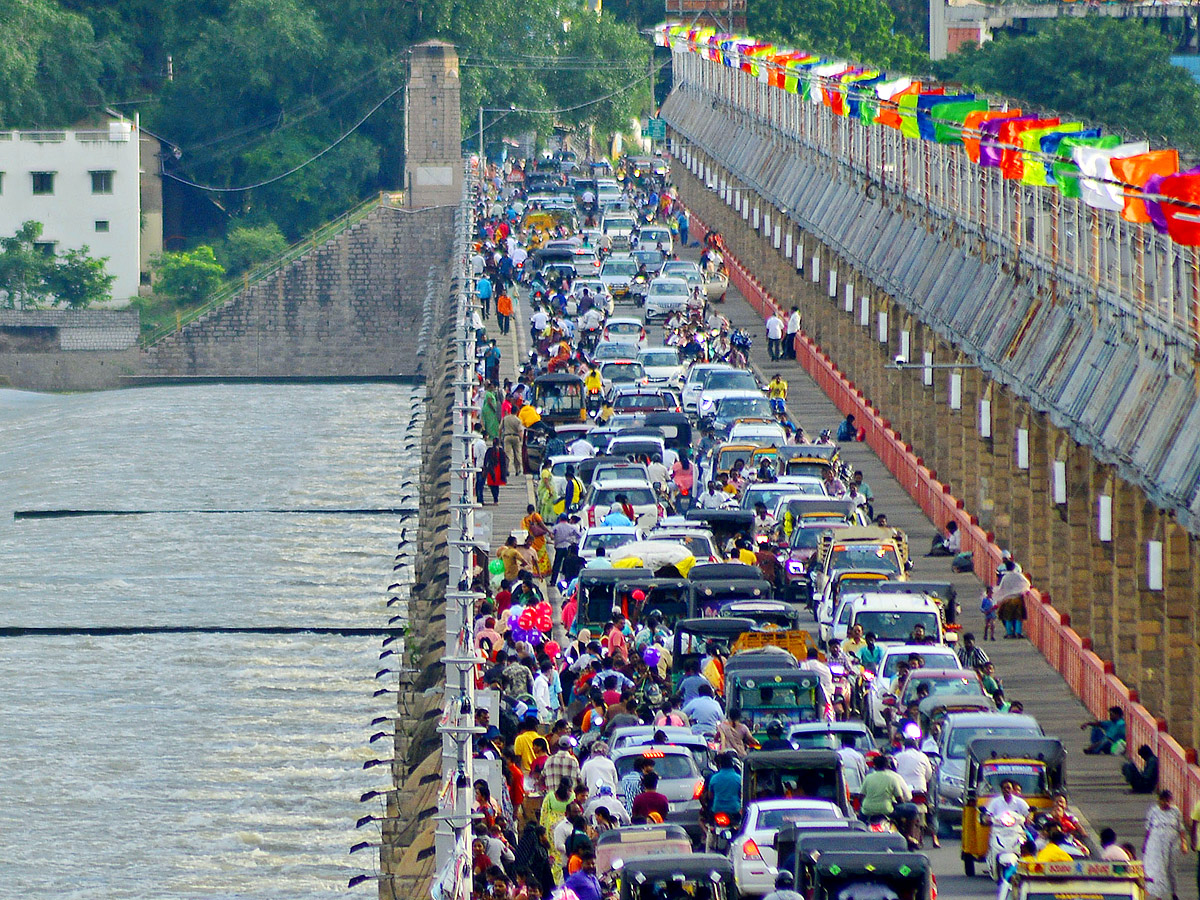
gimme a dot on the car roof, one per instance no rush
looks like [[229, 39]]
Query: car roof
[[942, 674], [829, 728], [611, 529], [795, 803], [620, 483], [919, 649], [890, 601], [989, 719]]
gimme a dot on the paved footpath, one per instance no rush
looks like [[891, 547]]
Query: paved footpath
[[1094, 783]]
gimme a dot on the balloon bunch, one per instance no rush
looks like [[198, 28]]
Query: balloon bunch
[[532, 623], [651, 655]]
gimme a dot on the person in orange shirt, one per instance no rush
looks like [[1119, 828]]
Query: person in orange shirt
[[504, 311]]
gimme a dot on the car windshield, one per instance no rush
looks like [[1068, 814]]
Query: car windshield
[[896, 626], [604, 496], [765, 494], [608, 541], [670, 288], [876, 557], [668, 766], [697, 374], [777, 818], [806, 538], [956, 744], [553, 397], [744, 408], [835, 740], [622, 371], [658, 358], [734, 380], [618, 224], [619, 267], [652, 258], [932, 661]]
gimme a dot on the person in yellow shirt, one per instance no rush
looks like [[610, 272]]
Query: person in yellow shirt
[[777, 390], [606, 411], [714, 669], [1053, 851], [528, 415], [854, 641], [593, 383], [523, 743]]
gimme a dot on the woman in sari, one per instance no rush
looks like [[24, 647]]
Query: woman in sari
[[495, 469], [554, 810], [536, 528], [490, 411], [546, 495], [1165, 842]]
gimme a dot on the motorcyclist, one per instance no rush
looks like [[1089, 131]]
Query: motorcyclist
[[775, 739], [784, 884], [722, 792], [917, 771]]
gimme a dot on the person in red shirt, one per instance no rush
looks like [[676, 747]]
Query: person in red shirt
[[618, 647], [650, 802]]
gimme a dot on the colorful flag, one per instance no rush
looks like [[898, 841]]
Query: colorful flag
[[1136, 171], [948, 118], [972, 129], [1095, 165], [1066, 172]]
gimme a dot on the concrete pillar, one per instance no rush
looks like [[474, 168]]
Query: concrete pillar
[[984, 496], [1038, 482], [1151, 644], [1079, 522], [1125, 551], [1003, 467], [968, 443], [1104, 609], [1179, 607]]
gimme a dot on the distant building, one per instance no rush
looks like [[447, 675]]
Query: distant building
[[723, 15], [95, 187]]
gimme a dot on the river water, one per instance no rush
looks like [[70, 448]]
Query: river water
[[197, 764]]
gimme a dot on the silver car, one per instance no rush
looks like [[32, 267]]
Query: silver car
[[679, 780]]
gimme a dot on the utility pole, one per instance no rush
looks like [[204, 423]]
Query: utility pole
[[481, 153]]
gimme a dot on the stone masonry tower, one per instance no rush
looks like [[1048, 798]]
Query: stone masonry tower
[[433, 130]]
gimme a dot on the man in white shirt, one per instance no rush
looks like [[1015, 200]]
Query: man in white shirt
[[657, 473], [854, 764], [712, 498], [580, 447], [914, 767], [479, 447], [775, 336], [814, 664], [793, 328], [477, 264], [538, 322], [598, 769], [1008, 800]]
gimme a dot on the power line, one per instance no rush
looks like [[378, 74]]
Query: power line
[[294, 169]]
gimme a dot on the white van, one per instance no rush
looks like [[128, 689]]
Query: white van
[[893, 616], [650, 236]]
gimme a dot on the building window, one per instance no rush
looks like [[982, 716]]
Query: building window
[[102, 226], [102, 182], [43, 182], [433, 100], [46, 247]]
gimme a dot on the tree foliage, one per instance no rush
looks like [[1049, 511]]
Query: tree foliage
[[246, 247], [858, 29], [1113, 72], [31, 276], [189, 276]]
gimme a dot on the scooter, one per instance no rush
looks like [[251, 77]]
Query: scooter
[[721, 832], [1004, 846]]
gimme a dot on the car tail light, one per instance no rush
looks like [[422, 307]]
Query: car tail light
[[750, 849], [591, 516], [698, 790]]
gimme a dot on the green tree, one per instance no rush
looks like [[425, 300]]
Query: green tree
[[188, 276], [31, 276], [861, 30], [1109, 71], [51, 64], [247, 246]]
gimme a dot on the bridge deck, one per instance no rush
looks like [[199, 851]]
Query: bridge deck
[[1095, 784]]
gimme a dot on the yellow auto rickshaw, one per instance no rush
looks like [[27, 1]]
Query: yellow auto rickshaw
[[729, 454], [1035, 766]]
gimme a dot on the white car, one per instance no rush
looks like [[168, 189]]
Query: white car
[[880, 685], [650, 237], [698, 541], [558, 470], [615, 372], [752, 850], [595, 285], [666, 295], [628, 331], [695, 381], [600, 499], [619, 227], [617, 273], [680, 267], [764, 434], [661, 365], [610, 538], [725, 383]]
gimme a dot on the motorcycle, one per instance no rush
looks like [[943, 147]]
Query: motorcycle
[[595, 399], [721, 831]]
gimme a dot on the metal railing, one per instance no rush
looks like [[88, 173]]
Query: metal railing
[[232, 288]]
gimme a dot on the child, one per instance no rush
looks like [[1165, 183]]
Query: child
[[987, 606]]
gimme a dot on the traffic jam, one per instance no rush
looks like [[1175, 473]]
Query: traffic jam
[[752, 692]]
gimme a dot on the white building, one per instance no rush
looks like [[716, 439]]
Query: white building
[[84, 186]]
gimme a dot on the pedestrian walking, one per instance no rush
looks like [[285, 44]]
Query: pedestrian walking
[[512, 433], [494, 469], [1165, 839], [775, 332], [483, 288], [504, 312], [793, 333]]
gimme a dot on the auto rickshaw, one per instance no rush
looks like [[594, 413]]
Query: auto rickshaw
[[675, 427], [601, 591], [772, 613], [559, 398], [1036, 765], [882, 876], [698, 876], [710, 597], [798, 850], [806, 459], [729, 454], [615, 846], [724, 523], [692, 637], [788, 696], [786, 774], [670, 596]]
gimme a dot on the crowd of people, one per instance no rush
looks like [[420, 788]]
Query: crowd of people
[[561, 699]]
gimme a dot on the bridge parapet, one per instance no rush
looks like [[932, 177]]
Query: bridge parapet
[[1093, 319]]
